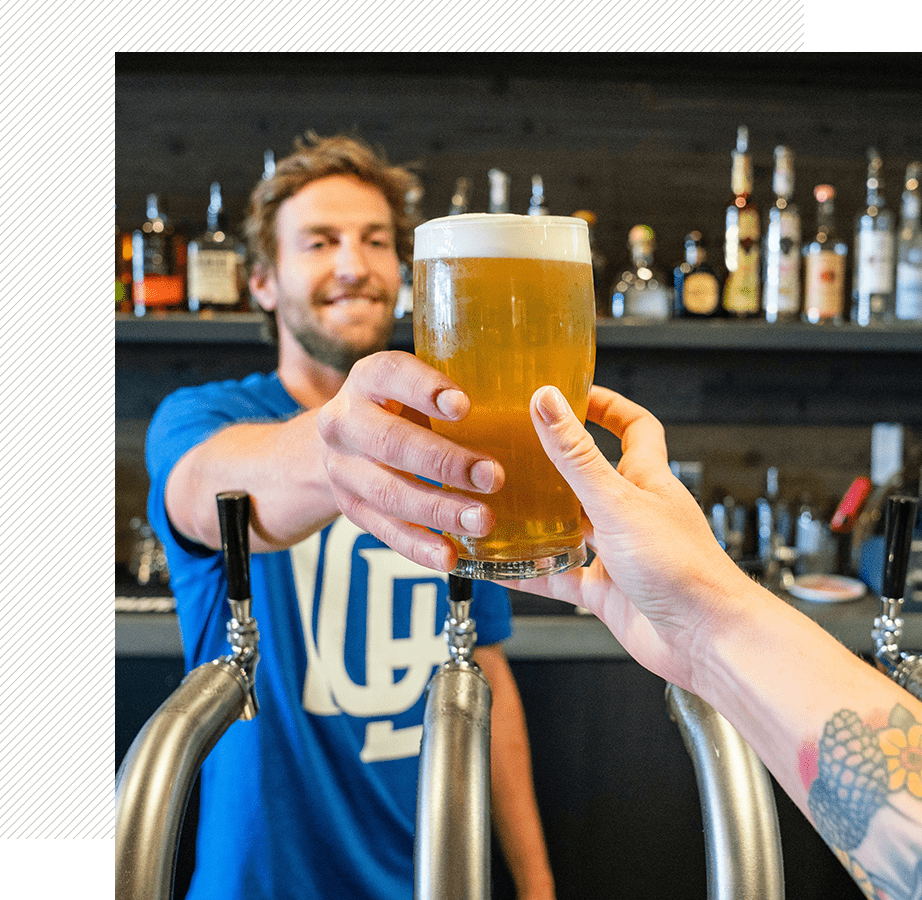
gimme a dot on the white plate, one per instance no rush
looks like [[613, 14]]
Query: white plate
[[827, 588]]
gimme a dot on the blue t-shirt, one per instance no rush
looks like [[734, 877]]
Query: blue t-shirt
[[315, 797]]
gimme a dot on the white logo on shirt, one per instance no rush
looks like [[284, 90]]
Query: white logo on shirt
[[328, 687]]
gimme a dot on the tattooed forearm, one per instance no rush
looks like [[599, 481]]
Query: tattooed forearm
[[866, 800]]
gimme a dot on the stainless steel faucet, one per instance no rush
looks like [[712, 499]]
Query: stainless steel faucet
[[452, 849], [903, 667], [156, 777], [742, 840]]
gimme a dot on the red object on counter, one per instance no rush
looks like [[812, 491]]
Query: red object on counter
[[845, 516]]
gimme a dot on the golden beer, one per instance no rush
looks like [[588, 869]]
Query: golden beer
[[504, 304]]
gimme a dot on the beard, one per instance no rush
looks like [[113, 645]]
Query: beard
[[337, 353]]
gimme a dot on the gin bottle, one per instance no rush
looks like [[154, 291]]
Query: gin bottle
[[641, 291], [909, 249], [824, 265], [781, 296], [499, 191], [873, 297]]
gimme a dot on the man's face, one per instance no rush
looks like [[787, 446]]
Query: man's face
[[337, 277]]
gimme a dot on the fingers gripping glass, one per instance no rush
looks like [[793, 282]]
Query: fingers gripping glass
[[503, 304]]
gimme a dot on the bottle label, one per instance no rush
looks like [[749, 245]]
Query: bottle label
[[159, 291], [782, 273], [824, 295], [700, 293], [909, 291], [741, 292], [875, 262], [214, 276]]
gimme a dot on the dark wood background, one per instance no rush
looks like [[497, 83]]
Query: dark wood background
[[633, 137], [636, 138]]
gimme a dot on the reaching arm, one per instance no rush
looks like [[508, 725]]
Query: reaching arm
[[359, 453], [843, 740], [514, 807]]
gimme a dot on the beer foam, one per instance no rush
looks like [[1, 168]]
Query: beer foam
[[502, 235]]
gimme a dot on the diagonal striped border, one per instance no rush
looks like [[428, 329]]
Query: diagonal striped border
[[56, 333]]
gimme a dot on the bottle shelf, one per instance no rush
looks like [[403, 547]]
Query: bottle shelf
[[187, 328]]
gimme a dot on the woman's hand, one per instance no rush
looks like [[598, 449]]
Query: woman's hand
[[659, 578]]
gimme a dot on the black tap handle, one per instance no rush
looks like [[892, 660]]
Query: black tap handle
[[900, 518], [460, 590], [234, 516]]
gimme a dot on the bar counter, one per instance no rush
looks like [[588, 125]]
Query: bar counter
[[555, 632]]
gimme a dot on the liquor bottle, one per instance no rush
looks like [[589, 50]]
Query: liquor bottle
[[872, 293], [122, 271], [411, 202], [781, 292], [158, 263], [741, 244], [696, 287], [536, 205], [216, 264], [641, 291], [824, 265], [460, 198], [268, 165], [599, 265], [499, 191], [909, 249]]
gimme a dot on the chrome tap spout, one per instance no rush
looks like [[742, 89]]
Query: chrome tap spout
[[156, 777], [741, 834], [452, 851], [452, 848], [904, 668]]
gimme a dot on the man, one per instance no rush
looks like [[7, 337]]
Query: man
[[315, 798]]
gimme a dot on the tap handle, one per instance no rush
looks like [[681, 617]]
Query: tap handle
[[234, 516], [900, 517]]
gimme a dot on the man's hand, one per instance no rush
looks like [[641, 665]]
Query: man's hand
[[375, 457]]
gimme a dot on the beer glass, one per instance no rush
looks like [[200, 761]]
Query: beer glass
[[503, 304]]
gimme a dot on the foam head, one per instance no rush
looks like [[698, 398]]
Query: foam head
[[503, 235]]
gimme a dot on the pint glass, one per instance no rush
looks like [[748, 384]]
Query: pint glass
[[503, 304]]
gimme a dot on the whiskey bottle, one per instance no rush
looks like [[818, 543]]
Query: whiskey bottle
[[909, 249], [781, 292], [824, 265], [158, 263], [641, 291], [216, 264], [599, 265], [741, 238], [696, 287], [873, 298]]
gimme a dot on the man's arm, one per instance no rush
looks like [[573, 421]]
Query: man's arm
[[514, 808], [370, 438], [279, 464]]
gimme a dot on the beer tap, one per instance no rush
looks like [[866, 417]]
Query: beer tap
[[452, 850], [903, 667], [242, 635], [156, 777]]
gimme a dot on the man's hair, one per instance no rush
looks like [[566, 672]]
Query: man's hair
[[316, 158]]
